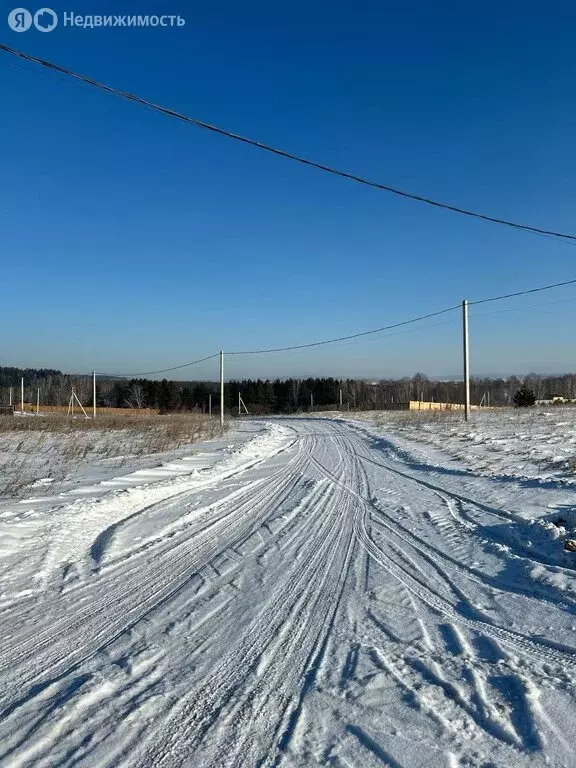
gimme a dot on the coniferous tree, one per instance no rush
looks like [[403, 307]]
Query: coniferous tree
[[524, 397]]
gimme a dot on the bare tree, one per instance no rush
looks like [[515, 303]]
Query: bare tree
[[136, 396]]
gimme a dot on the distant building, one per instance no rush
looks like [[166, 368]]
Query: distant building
[[424, 405]]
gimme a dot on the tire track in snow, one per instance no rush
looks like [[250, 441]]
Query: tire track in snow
[[525, 734], [500, 515], [241, 634], [277, 679], [272, 655], [123, 596], [515, 640], [267, 500]]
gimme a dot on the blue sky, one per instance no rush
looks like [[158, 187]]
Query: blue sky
[[132, 242]]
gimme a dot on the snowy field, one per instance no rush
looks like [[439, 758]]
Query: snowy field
[[56, 451], [506, 442], [373, 591]]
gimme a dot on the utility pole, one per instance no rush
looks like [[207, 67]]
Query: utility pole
[[10, 395], [37, 401], [93, 394], [340, 398], [22, 394], [239, 402], [311, 401], [221, 389], [209, 405], [465, 341]]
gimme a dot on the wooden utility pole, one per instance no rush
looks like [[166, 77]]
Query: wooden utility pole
[[465, 342]]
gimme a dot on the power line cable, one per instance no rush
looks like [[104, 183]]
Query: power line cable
[[163, 370], [418, 329], [405, 322], [521, 293], [348, 337], [521, 308], [344, 338], [376, 338], [280, 152]]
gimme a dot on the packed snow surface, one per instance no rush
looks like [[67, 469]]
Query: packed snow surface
[[304, 592]]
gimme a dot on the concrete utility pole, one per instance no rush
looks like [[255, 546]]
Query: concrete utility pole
[[466, 360], [221, 389], [37, 401], [340, 398], [239, 403], [10, 395], [311, 400], [209, 405], [22, 394], [93, 394]]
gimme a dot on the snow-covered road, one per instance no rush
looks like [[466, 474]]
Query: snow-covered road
[[318, 596]]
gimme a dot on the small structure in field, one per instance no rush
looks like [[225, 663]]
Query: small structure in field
[[424, 405]]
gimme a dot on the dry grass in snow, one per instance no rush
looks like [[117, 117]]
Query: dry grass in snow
[[40, 451]]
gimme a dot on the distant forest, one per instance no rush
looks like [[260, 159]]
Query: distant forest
[[270, 396]]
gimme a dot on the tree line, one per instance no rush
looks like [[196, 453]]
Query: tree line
[[273, 396]]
